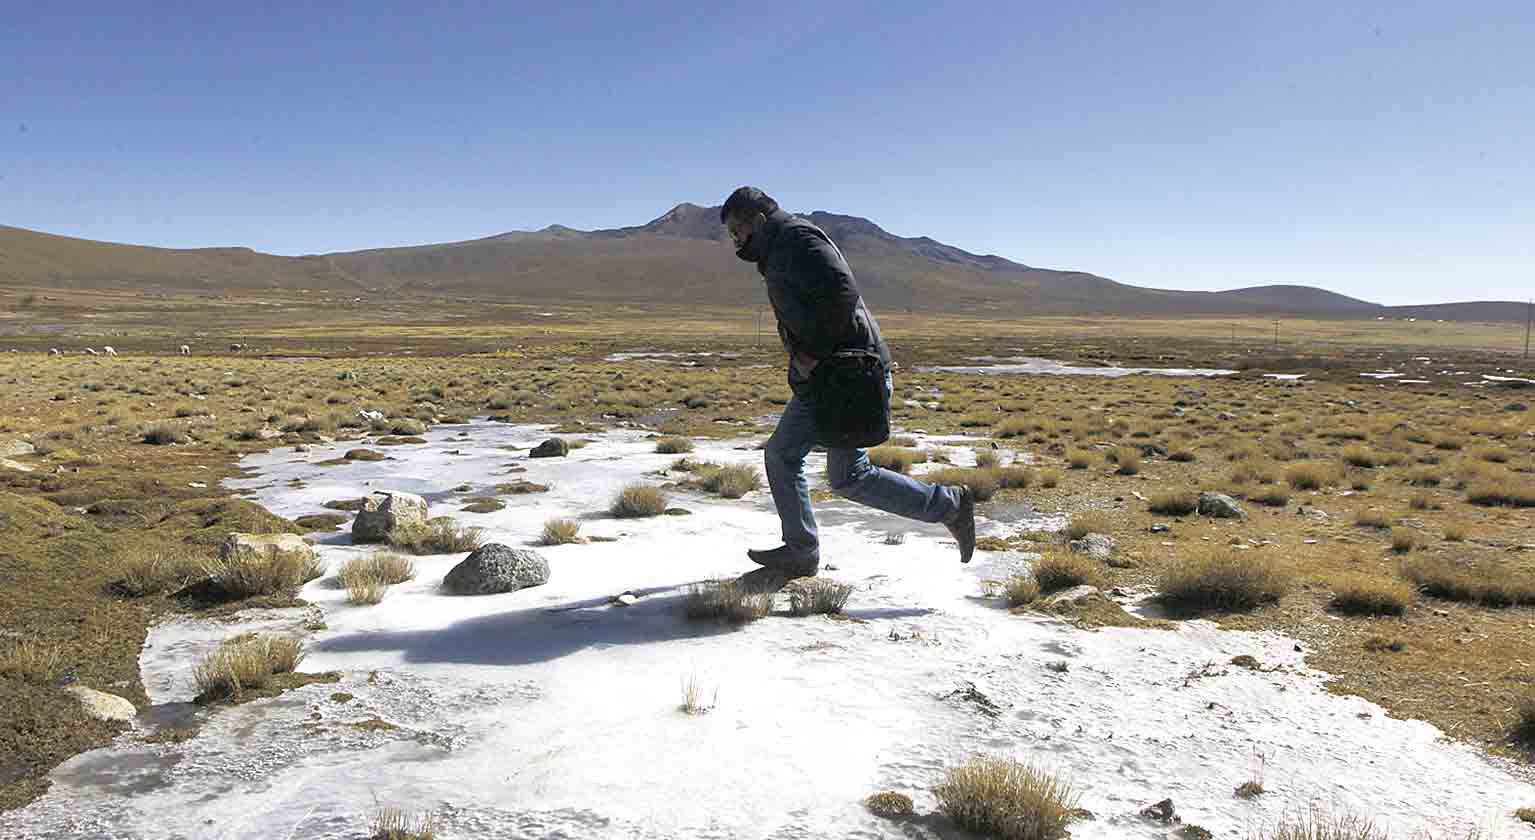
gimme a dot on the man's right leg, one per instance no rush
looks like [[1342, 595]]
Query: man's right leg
[[784, 457]]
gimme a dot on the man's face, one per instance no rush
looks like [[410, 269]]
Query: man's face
[[740, 228]]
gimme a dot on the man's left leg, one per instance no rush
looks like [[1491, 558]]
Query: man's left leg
[[853, 477]]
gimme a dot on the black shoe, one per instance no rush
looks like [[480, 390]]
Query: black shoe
[[787, 560], [962, 526]]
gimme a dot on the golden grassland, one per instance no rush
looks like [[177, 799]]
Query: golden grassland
[[1352, 488]]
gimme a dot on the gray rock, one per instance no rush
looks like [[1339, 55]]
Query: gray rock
[[17, 447], [101, 705], [1220, 506], [1096, 546], [1161, 812], [494, 568], [551, 448], [384, 512]]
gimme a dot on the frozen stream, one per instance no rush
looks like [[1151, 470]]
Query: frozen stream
[[551, 713]]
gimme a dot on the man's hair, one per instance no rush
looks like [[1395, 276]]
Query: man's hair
[[746, 201]]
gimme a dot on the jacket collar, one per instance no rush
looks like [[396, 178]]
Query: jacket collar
[[769, 233]]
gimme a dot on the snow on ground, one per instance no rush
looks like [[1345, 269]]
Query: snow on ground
[[551, 713]]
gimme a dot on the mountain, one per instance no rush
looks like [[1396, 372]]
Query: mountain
[[680, 257]]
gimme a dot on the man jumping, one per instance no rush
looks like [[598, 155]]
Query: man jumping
[[820, 312]]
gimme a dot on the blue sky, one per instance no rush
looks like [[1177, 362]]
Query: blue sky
[[1381, 149]]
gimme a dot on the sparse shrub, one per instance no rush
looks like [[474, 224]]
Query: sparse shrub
[[1086, 522], [1526, 815], [1524, 727], [1492, 455], [1015, 478], [1012, 427], [987, 458], [1505, 492], [1272, 496], [731, 481], [1309, 476], [983, 483], [902, 440], [396, 824], [1359, 456], [1174, 502], [1079, 460], [674, 445], [250, 575], [1372, 519], [1007, 799], [1320, 825], [1425, 477], [1049, 478], [31, 661], [890, 805], [1222, 578], [1371, 595], [1182, 456], [364, 589], [440, 535], [1442, 578], [1403, 540], [1021, 589], [817, 596], [407, 427], [973, 421], [1128, 458], [163, 434], [1456, 531], [1449, 443], [895, 458], [185, 411], [1057, 570], [244, 663], [1249, 790], [727, 600], [560, 532], [368, 577], [154, 573], [1422, 501]]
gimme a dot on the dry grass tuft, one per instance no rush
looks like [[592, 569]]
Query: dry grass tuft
[[727, 600], [1317, 824], [674, 445], [163, 434], [987, 458], [1456, 531], [440, 535], [638, 500], [1359, 456], [817, 596], [1372, 519], [155, 573], [1310, 476], [1057, 570], [984, 483], [1021, 590], [396, 824], [1222, 578], [1503, 492], [1079, 460], [1358, 594], [247, 576], [1128, 458], [560, 532], [367, 579], [1442, 578], [1249, 790], [1525, 815], [1007, 799], [1049, 478], [244, 663], [1174, 502], [731, 481], [1403, 540], [1089, 522], [897, 458], [1524, 726], [31, 661]]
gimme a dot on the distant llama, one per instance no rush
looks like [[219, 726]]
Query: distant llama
[[186, 350], [92, 351], [109, 351], [55, 352]]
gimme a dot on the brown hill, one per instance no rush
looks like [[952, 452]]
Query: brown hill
[[679, 257]]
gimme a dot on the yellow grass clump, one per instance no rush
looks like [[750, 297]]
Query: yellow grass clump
[[244, 663], [1057, 570], [1223, 578], [1007, 799], [638, 500], [1359, 594], [560, 532]]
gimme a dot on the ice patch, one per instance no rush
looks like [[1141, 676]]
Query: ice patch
[[1036, 366]]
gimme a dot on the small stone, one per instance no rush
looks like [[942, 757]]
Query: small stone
[[551, 448], [1160, 528], [1220, 506], [101, 705], [1096, 546], [1161, 812], [627, 599], [677, 511]]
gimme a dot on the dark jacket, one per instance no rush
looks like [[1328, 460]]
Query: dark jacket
[[814, 296]]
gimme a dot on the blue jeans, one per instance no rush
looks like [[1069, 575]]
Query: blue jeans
[[851, 476]]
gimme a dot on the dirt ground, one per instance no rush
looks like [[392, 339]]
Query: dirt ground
[[1335, 471]]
